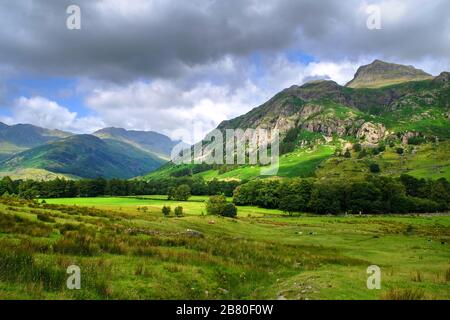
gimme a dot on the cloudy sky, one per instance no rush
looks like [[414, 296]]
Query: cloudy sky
[[167, 65]]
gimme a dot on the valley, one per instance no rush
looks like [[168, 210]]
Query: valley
[[126, 253], [362, 180]]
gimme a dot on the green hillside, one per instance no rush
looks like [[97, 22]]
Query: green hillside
[[20, 137], [148, 141], [328, 130], [85, 156]]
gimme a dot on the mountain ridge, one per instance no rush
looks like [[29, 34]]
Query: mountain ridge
[[380, 73], [327, 119], [85, 156]]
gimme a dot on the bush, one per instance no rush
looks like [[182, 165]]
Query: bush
[[166, 211], [374, 168], [362, 154], [357, 147], [218, 205], [230, 210], [179, 211], [400, 151]]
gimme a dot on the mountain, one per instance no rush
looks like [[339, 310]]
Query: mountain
[[149, 141], [85, 156], [380, 73], [20, 137], [321, 120]]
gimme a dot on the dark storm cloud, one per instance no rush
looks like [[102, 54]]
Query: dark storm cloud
[[134, 39]]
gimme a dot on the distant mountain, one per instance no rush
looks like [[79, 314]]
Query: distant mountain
[[20, 137], [149, 141], [85, 156], [380, 73]]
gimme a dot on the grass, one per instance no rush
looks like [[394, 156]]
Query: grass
[[124, 253], [423, 161], [195, 205]]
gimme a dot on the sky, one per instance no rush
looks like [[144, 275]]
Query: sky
[[173, 66]]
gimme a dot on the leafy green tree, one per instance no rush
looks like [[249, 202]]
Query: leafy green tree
[[166, 211], [215, 205], [229, 210], [179, 211], [365, 197], [326, 198]]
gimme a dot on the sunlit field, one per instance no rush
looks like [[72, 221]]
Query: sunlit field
[[195, 205], [126, 253]]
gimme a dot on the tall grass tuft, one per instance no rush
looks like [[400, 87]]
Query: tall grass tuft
[[404, 294]]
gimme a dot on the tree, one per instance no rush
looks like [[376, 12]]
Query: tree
[[364, 197], [295, 195], [218, 205], [230, 210], [215, 205], [166, 211], [180, 193], [326, 198], [179, 211]]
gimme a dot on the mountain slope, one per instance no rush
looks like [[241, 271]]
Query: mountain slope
[[323, 115], [85, 156], [149, 141], [380, 73], [20, 137]]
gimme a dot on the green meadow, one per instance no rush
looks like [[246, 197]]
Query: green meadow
[[125, 252]]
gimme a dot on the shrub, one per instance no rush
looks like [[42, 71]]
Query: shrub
[[230, 210], [179, 211], [400, 151], [374, 168], [362, 154], [357, 147], [216, 205], [166, 211], [347, 154]]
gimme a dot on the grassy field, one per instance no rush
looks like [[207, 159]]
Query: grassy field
[[125, 253], [195, 205]]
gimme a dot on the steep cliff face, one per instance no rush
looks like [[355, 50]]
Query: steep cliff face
[[416, 103]]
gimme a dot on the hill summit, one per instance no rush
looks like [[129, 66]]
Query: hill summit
[[379, 74]]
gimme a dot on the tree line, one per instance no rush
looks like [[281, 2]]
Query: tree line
[[375, 194], [62, 188]]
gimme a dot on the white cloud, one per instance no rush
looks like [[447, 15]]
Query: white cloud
[[174, 107], [45, 113]]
